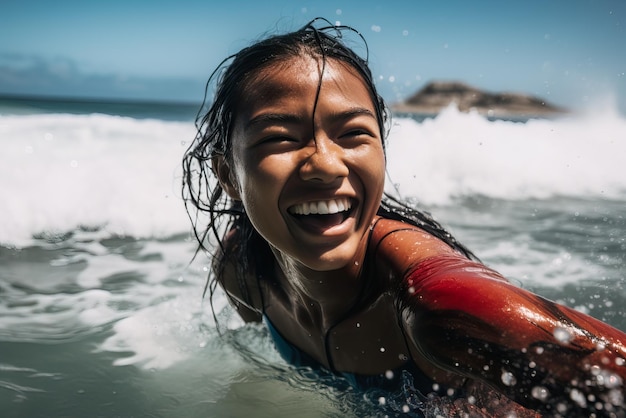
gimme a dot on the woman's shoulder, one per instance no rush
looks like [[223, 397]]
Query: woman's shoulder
[[402, 245], [387, 232]]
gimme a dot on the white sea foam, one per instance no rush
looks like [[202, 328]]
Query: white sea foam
[[457, 154], [58, 172], [61, 171], [161, 335]]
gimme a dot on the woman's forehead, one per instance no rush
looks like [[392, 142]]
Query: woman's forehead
[[298, 74], [301, 69]]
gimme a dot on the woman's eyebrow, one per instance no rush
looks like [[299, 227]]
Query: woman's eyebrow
[[351, 113], [270, 118]]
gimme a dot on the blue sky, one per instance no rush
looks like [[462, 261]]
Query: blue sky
[[570, 52]]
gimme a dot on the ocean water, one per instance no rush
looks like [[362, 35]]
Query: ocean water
[[101, 308]]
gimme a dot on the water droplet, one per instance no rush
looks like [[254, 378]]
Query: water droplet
[[406, 409], [508, 378], [578, 397], [389, 374], [609, 380], [616, 397], [382, 400], [382, 349], [541, 393], [562, 335]]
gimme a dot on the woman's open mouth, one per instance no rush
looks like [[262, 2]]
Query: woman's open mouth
[[321, 215]]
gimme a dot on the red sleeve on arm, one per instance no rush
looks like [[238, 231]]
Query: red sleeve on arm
[[467, 319]]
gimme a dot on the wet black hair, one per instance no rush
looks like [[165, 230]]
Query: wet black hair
[[203, 194]]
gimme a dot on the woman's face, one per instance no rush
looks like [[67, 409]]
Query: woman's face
[[310, 179]]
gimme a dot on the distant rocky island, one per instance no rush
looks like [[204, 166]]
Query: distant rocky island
[[438, 95]]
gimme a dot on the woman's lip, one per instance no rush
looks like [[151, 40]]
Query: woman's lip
[[327, 225]]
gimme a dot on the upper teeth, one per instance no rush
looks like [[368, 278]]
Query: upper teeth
[[324, 207]]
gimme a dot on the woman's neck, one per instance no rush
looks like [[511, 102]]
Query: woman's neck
[[325, 296]]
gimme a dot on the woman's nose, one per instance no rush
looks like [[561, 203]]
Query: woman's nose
[[325, 163]]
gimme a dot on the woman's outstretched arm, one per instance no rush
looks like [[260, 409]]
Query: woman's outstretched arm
[[467, 319]]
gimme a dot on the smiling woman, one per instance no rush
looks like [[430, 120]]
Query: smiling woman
[[352, 281]]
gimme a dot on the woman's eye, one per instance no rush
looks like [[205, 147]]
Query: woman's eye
[[356, 133], [273, 141], [278, 139]]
